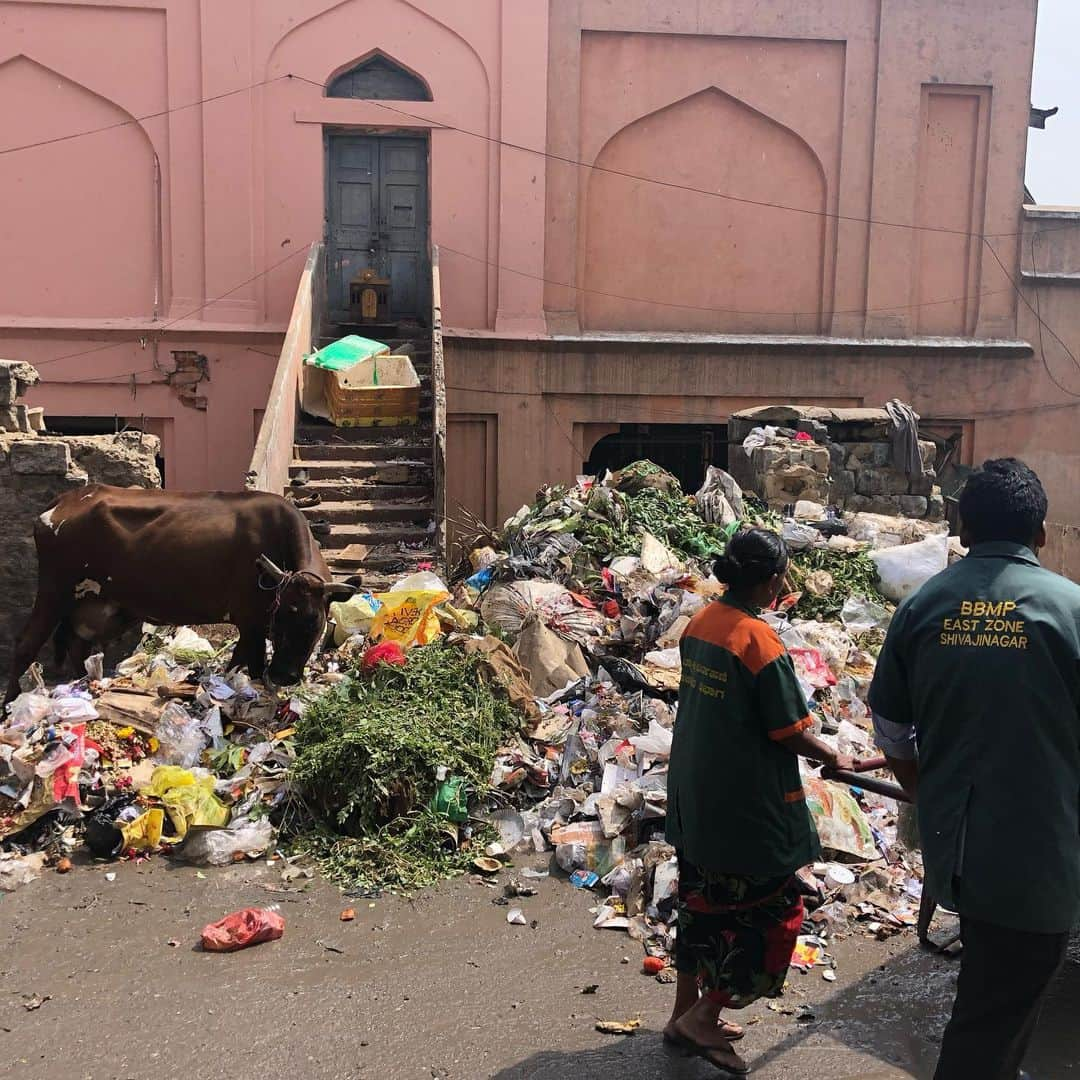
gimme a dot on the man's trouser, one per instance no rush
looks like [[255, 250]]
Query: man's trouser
[[1004, 975]]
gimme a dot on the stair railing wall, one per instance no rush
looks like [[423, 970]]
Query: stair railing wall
[[269, 469]]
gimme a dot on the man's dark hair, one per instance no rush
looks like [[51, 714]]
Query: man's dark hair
[[1004, 500]]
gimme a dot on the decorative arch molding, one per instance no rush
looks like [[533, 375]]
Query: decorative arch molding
[[733, 257], [378, 76], [97, 199], [390, 18]]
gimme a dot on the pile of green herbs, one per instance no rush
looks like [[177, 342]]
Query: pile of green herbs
[[853, 574], [366, 762]]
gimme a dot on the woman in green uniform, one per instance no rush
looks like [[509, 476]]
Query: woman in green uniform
[[737, 814]]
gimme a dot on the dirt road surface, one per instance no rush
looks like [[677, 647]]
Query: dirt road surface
[[437, 987]]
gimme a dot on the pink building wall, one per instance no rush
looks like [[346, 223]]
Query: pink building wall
[[840, 153]]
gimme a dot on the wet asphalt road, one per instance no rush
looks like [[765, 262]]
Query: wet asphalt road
[[439, 987]]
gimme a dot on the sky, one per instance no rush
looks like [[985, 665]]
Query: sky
[[1053, 161]]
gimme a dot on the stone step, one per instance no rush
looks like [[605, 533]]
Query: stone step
[[347, 490], [397, 472], [362, 512], [362, 451], [373, 535], [311, 431]]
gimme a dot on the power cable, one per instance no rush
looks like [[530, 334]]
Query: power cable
[[546, 154], [139, 119]]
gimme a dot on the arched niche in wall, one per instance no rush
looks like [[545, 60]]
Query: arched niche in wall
[[79, 222], [378, 77], [726, 235]]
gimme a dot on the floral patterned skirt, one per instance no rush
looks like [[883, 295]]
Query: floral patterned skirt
[[736, 933]]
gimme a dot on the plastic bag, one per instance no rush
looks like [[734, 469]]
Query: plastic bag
[[422, 581], [144, 833], [657, 741], [180, 736], [903, 569], [799, 537], [353, 616], [188, 799], [840, 822], [70, 708], [583, 846], [860, 614], [28, 711], [218, 847], [720, 499], [812, 669], [241, 929], [187, 646], [408, 618], [17, 870]]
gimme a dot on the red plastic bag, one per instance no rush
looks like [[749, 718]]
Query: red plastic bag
[[241, 929], [386, 652], [811, 667]]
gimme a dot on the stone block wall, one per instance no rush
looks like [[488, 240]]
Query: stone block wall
[[34, 471], [847, 462]]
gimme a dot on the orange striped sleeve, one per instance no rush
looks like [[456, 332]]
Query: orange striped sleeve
[[779, 734]]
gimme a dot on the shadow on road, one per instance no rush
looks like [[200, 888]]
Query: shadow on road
[[886, 1026]]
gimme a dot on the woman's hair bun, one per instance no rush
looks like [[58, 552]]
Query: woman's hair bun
[[726, 569], [752, 556]]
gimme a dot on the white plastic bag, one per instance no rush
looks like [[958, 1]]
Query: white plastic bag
[[656, 741], [180, 736], [422, 581], [860, 614], [903, 569], [218, 847], [29, 710], [799, 537]]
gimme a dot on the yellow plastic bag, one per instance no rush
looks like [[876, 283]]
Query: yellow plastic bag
[[188, 799], [353, 616], [409, 618], [144, 833]]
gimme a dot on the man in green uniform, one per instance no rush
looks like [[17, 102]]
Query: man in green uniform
[[976, 704]]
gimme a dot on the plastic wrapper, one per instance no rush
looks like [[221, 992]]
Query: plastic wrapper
[[251, 926], [144, 832], [720, 499], [188, 647], [180, 736], [799, 537]]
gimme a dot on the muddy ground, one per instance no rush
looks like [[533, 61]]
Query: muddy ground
[[441, 986]]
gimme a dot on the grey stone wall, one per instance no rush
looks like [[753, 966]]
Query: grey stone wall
[[34, 471], [848, 463]]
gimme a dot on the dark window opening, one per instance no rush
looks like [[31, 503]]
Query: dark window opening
[[99, 425], [377, 78], [685, 450]]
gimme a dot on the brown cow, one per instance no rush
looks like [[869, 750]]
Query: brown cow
[[111, 556]]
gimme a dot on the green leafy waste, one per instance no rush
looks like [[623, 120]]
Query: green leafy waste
[[853, 574], [367, 755]]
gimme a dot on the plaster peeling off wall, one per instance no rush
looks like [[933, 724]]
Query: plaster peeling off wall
[[78, 224]]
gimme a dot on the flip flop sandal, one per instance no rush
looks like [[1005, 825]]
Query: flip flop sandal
[[681, 1042], [304, 502], [319, 528]]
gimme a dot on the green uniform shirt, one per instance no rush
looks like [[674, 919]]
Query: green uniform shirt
[[735, 798], [984, 663]]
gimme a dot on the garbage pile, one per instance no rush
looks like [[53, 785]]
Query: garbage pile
[[526, 707], [169, 754], [593, 586]]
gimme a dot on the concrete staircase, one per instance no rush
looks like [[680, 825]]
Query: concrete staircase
[[376, 485]]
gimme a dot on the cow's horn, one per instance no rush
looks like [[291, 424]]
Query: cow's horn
[[264, 563]]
